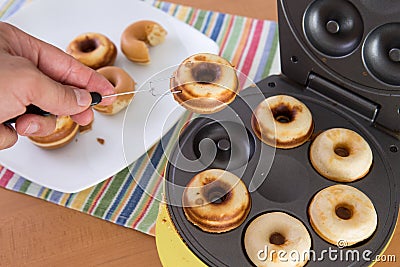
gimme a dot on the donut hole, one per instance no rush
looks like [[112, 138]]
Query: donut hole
[[88, 45], [283, 119], [277, 239], [113, 82], [283, 114], [206, 72], [217, 194], [344, 211], [342, 151]]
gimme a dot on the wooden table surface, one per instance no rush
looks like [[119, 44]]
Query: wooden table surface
[[37, 233]]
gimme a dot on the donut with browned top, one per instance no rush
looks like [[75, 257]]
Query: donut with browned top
[[138, 36], [65, 131], [282, 121], [122, 82], [216, 201], [204, 83], [95, 50]]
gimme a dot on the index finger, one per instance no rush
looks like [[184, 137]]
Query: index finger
[[58, 65], [72, 72]]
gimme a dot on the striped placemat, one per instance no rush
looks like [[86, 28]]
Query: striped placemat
[[250, 44]]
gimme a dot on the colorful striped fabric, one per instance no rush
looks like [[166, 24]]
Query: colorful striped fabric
[[250, 44]]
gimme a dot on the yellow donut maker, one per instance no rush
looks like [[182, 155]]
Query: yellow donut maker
[[342, 59]]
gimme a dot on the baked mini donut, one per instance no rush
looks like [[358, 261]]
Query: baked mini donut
[[341, 155], [136, 38], [94, 50], [277, 231], [342, 213], [204, 83], [66, 130], [216, 201], [282, 121], [122, 82]]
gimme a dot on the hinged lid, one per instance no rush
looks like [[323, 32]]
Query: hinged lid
[[347, 99], [351, 47]]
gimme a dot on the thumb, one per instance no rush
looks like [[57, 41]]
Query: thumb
[[57, 98]]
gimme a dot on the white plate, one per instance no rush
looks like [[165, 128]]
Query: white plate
[[85, 162]]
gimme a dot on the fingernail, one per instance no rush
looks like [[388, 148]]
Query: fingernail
[[32, 128], [83, 98]]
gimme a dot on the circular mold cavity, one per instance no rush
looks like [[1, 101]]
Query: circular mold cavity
[[334, 27], [382, 53], [287, 180], [233, 142]]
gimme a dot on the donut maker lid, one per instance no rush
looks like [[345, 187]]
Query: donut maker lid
[[291, 182], [329, 45]]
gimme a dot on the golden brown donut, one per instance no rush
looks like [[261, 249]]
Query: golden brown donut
[[122, 82], [341, 155], [277, 231], [136, 38], [94, 50], [204, 83], [342, 215], [216, 201], [66, 130], [282, 121]]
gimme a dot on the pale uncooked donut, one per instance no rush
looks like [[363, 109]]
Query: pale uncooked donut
[[341, 155], [342, 213], [122, 82], [277, 231], [94, 50]]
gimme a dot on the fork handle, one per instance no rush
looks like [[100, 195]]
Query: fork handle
[[32, 109]]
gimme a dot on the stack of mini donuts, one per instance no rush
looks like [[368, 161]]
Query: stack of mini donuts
[[216, 203], [98, 52]]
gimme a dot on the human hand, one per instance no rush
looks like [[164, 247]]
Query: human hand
[[35, 72]]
